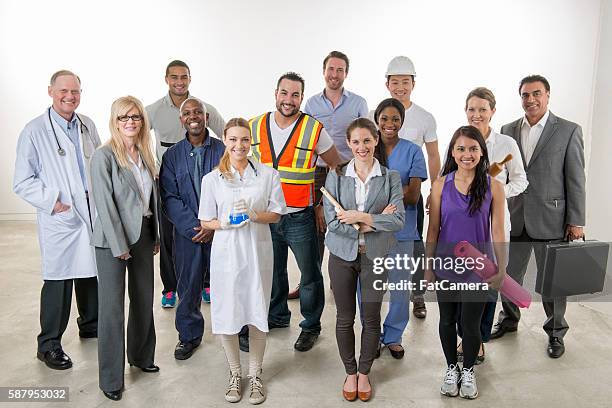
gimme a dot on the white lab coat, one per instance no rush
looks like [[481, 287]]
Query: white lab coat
[[42, 177], [241, 259]]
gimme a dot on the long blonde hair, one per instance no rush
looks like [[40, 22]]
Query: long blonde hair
[[121, 107], [224, 163]]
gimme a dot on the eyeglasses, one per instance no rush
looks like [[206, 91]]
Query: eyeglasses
[[125, 118]]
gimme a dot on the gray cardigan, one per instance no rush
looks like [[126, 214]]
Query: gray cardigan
[[342, 240], [118, 203]]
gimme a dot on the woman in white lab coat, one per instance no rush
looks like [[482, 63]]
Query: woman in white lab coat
[[241, 256]]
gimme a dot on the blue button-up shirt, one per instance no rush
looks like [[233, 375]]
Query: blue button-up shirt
[[71, 130], [337, 119]]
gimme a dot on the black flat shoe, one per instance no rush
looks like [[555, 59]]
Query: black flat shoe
[[184, 350], [150, 369], [499, 330], [305, 341], [396, 354], [113, 395], [555, 348], [88, 335], [55, 359]]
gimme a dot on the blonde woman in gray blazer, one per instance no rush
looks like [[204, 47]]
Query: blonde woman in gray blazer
[[125, 237], [371, 197]]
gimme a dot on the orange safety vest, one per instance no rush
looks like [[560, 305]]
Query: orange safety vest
[[296, 162]]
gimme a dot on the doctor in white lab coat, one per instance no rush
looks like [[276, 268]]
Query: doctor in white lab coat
[[52, 174]]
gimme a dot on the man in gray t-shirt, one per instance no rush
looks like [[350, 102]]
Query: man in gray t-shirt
[[165, 120]]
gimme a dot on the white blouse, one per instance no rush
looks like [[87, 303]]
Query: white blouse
[[145, 183]]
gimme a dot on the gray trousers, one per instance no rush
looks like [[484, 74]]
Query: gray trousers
[[55, 301], [111, 314], [520, 252], [344, 275]]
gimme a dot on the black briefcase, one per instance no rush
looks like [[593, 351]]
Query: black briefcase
[[573, 268]]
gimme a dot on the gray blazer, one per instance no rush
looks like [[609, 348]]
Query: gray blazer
[[118, 203], [342, 240], [556, 194]]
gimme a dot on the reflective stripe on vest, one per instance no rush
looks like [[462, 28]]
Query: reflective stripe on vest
[[296, 161]]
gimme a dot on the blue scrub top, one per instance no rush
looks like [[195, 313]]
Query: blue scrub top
[[408, 159]]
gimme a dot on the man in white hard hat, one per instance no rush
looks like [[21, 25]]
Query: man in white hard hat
[[419, 127]]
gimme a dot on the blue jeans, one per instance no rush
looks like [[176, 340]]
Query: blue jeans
[[298, 232], [399, 300]]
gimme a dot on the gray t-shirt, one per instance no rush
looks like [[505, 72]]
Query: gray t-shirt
[[165, 121]]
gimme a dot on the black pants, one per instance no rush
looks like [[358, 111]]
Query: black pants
[[343, 275], [419, 251], [166, 250], [471, 305], [55, 301], [320, 177]]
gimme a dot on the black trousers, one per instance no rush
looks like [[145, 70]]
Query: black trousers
[[419, 251], [166, 250], [470, 305], [55, 302], [320, 177]]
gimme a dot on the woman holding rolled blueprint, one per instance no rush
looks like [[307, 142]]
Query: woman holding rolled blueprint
[[466, 205], [369, 196], [239, 200], [479, 109]]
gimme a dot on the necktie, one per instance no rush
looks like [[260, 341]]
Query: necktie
[[198, 171]]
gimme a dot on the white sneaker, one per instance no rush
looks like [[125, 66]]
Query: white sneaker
[[468, 384], [257, 392], [234, 392], [451, 379]]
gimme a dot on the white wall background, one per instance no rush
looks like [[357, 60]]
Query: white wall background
[[237, 49]]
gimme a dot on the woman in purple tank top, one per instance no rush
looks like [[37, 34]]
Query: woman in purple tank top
[[466, 205]]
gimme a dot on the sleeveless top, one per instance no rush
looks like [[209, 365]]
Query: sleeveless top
[[457, 224]]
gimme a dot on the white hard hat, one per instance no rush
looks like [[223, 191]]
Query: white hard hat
[[400, 66]]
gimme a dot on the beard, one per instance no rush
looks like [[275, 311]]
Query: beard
[[293, 112]]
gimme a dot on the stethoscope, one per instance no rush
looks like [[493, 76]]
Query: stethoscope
[[60, 149]]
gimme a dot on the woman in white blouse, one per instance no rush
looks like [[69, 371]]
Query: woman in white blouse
[[479, 109], [239, 199], [125, 237]]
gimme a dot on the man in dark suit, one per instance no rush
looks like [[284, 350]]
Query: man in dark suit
[[552, 208]]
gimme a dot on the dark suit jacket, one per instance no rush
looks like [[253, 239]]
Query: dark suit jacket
[[556, 194]]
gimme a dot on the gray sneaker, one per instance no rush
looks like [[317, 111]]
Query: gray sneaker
[[256, 389], [233, 393], [468, 384], [451, 379]]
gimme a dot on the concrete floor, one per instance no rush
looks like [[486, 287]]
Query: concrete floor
[[516, 373]]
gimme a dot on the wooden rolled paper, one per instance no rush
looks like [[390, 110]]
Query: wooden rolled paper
[[335, 203]]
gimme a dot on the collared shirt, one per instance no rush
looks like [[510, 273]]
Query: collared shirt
[[145, 183], [166, 123], [531, 134], [337, 119], [512, 176], [71, 130], [362, 188]]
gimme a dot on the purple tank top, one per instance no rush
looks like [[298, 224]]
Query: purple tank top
[[456, 224]]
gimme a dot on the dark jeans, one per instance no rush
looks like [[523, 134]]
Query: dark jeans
[[471, 305], [298, 232], [344, 276], [520, 252], [55, 301]]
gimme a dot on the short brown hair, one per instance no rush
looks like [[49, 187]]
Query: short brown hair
[[482, 93], [337, 54]]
